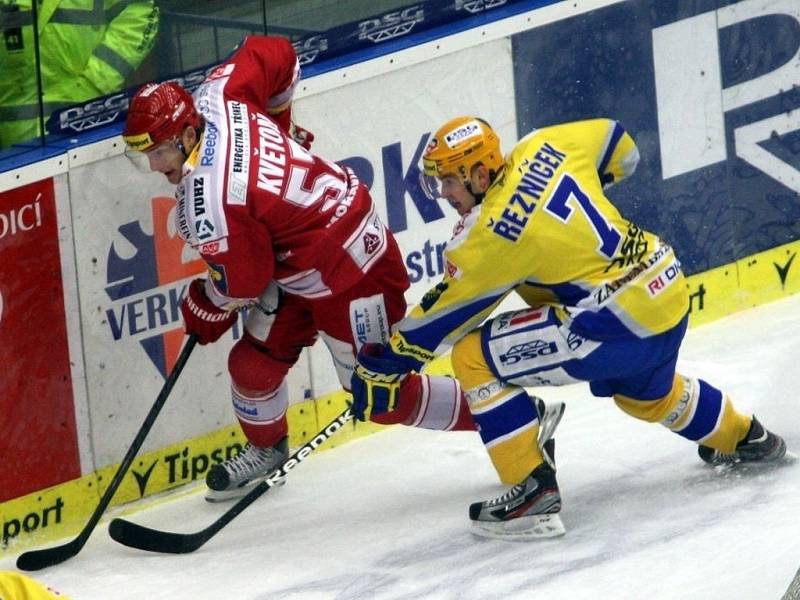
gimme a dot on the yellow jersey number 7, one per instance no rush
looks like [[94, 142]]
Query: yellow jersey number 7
[[559, 203]]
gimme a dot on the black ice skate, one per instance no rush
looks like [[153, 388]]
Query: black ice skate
[[529, 509], [759, 445], [234, 477]]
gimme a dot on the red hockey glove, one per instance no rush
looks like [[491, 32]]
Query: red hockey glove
[[302, 136], [201, 317]]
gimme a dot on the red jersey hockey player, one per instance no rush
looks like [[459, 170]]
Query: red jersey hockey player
[[294, 237]]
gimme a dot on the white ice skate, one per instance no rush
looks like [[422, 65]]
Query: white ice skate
[[235, 477]]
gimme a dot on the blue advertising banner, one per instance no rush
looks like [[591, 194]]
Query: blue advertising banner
[[413, 21], [710, 91]]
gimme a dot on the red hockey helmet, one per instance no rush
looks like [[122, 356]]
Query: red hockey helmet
[[158, 112]]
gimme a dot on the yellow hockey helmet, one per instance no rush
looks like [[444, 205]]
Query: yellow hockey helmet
[[459, 145]]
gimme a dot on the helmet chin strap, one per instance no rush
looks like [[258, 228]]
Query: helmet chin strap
[[480, 196], [185, 152], [198, 132]]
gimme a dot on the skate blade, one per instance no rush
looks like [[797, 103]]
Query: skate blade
[[215, 496], [522, 528]]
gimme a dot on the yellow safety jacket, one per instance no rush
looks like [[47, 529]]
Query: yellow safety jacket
[[87, 48]]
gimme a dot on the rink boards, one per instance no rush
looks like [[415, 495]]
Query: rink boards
[[710, 95]]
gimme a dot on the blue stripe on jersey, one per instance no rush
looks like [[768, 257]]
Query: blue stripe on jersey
[[429, 334], [602, 325], [512, 414], [596, 325], [612, 145], [568, 294], [709, 407]]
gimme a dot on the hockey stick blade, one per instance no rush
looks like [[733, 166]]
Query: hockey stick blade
[[36, 560], [47, 557], [153, 540]]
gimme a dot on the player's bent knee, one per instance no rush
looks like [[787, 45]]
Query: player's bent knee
[[469, 366], [252, 369]]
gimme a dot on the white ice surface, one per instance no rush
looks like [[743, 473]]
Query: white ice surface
[[386, 517]]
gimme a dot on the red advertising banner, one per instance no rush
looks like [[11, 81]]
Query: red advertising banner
[[38, 438]]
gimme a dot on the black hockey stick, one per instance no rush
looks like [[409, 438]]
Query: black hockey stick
[[47, 557], [793, 593], [153, 540]]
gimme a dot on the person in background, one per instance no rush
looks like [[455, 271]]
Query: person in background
[[608, 304], [87, 49]]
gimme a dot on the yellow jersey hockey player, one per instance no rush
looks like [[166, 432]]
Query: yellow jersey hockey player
[[607, 301]]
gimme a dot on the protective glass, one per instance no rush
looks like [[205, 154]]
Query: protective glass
[[430, 186]]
